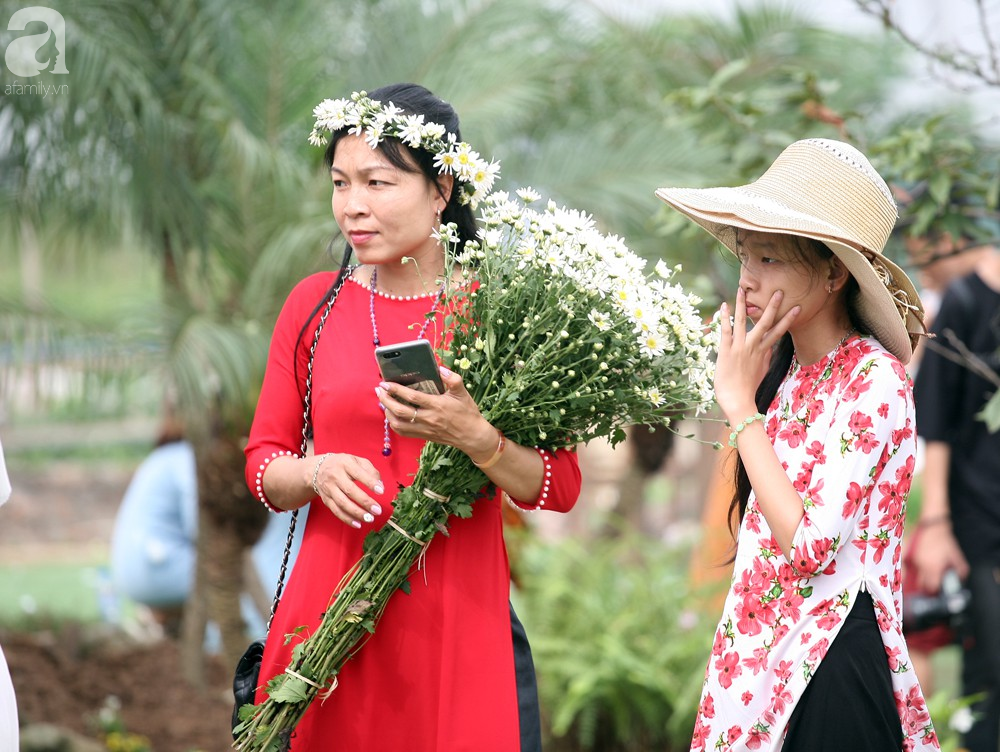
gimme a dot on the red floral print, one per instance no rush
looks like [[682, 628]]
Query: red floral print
[[843, 432]]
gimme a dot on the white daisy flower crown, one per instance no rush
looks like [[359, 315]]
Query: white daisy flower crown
[[363, 116]]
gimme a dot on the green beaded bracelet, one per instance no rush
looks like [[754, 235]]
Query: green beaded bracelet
[[741, 425]]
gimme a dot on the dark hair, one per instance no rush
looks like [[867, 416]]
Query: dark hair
[[808, 251], [413, 99]]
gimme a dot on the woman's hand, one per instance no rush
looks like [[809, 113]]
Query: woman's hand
[[337, 477], [452, 418], [744, 355]]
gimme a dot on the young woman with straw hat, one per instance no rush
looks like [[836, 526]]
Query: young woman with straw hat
[[809, 653]]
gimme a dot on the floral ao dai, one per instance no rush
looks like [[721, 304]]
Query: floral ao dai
[[843, 429]]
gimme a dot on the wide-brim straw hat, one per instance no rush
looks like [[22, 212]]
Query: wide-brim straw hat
[[827, 190]]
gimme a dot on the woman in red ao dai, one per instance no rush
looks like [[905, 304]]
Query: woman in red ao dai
[[448, 668]]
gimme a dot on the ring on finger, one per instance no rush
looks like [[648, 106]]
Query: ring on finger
[[414, 418]]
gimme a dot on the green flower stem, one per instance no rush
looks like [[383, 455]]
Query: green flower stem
[[387, 563]]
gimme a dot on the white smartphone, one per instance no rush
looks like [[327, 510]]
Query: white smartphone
[[411, 364]]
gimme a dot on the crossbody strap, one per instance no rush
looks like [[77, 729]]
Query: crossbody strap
[[306, 422]]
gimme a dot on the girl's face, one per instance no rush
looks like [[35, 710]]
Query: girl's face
[[384, 212], [770, 262]]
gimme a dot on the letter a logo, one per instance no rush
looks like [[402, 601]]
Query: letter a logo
[[20, 55]]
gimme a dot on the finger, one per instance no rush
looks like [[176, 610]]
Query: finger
[[770, 312], [740, 316], [452, 381], [783, 325], [351, 505], [405, 396], [930, 581], [725, 328], [340, 492], [392, 401]]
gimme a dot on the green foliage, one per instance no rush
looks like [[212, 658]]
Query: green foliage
[[619, 641], [950, 714], [117, 738], [947, 177]]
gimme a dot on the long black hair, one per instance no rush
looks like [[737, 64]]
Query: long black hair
[[814, 254], [412, 99]]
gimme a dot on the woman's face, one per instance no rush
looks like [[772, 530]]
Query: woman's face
[[384, 212], [770, 262]]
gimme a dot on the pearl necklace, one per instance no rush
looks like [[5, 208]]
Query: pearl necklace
[[386, 440]]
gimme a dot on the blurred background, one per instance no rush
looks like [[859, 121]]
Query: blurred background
[[158, 200]]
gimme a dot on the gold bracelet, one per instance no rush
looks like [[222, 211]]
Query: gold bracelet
[[501, 445], [741, 425]]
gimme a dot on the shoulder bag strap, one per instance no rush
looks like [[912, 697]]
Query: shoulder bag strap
[[306, 422]]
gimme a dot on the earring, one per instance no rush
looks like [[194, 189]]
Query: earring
[[439, 216], [829, 288]]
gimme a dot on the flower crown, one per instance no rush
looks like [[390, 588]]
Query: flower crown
[[376, 121]]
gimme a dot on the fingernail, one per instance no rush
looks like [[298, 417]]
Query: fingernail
[[379, 488], [445, 371], [376, 509], [368, 517], [384, 385], [355, 523]]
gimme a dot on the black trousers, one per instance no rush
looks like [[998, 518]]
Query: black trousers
[[848, 704], [527, 688], [981, 656]]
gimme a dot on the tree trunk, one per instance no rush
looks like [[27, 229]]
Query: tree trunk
[[230, 522]]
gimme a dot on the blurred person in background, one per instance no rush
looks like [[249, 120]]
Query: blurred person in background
[[959, 523], [938, 258], [8, 702], [154, 541]]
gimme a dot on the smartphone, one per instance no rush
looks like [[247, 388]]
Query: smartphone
[[411, 364]]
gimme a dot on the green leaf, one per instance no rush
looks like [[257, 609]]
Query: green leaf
[[991, 413], [291, 691]]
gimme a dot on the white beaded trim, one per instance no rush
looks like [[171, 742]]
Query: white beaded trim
[[546, 485], [389, 296], [261, 496]]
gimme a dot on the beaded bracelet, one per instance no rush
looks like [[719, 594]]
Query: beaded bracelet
[[741, 425], [501, 445]]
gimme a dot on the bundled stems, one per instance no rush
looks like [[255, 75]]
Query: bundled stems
[[390, 554]]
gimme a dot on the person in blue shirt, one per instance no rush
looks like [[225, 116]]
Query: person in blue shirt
[[153, 544]]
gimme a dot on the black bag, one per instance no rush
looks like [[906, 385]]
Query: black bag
[[246, 678], [247, 674]]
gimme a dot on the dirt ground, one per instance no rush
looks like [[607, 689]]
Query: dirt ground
[[64, 680], [65, 675]]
